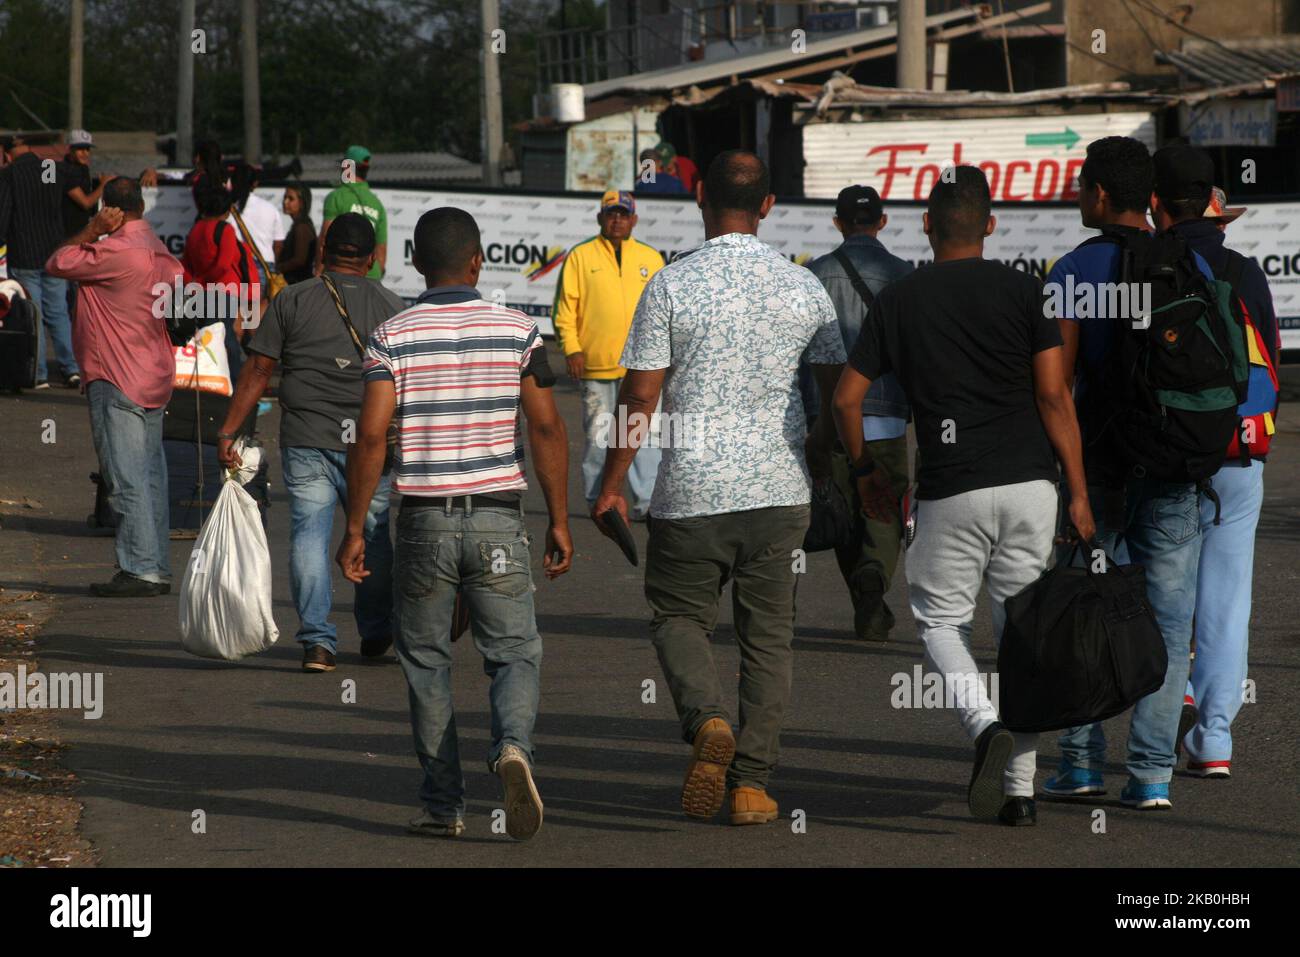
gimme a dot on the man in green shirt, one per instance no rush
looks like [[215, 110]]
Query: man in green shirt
[[355, 196]]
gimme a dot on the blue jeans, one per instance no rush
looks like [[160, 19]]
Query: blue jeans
[[51, 294], [128, 442], [316, 483], [1159, 523], [600, 396], [1223, 609], [484, 554]]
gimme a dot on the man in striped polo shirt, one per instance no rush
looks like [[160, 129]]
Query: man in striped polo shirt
[[455, 370]]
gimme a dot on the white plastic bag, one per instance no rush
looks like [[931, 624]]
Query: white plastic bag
[[225, 606]]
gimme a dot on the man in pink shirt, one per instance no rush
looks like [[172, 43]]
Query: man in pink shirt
[[127, 365]]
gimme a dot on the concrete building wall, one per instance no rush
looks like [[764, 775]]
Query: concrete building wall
[[1132, 32]]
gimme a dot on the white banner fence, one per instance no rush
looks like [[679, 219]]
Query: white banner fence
[[525, 237]]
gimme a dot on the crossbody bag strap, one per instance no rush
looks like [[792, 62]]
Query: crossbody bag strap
[[855, 278], [248, 240], [343, 314]]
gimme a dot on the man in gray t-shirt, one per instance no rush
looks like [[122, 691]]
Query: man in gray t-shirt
[[304, 332]]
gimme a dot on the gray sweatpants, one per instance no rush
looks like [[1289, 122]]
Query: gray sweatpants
[[1002, 534]]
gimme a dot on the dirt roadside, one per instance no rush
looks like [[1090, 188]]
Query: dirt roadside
[[39, 809]]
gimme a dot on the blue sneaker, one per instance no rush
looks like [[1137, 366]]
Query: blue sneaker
[[1145, 797], [1074, 782]]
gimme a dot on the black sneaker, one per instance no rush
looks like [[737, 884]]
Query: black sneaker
[[1186, 721], [317, 658], [374, 647], [124, 585], [1019, 812], [72, 381], [992, 751]]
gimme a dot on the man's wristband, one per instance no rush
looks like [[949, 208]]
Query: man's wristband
[[862, 471], [228, 435]]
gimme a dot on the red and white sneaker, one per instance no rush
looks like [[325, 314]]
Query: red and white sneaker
[[1210, 769]]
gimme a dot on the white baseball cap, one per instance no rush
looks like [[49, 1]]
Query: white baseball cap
[[80, 138]]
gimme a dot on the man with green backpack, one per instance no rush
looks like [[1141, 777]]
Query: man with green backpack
[[1161, 370]]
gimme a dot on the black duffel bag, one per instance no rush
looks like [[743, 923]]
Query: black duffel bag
[[1079, 646]]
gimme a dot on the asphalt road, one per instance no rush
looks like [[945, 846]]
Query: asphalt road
[[287, 774]]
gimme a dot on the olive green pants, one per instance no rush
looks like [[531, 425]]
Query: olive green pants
[[869, 560], [687, 564]]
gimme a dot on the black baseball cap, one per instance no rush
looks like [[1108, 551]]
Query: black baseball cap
[[1183, 172], [350, 236], [859, 206]]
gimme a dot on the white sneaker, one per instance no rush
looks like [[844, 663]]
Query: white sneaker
[[523, 803]]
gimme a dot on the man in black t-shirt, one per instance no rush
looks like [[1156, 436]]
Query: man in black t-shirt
[[980, 362]]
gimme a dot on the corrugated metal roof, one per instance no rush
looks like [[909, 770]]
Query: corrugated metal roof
[[841, 92], [677, 77], [1235, 62]]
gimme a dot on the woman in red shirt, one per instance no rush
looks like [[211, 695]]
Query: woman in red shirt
[[215, 259]]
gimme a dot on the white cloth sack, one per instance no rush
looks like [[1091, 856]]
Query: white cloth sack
[[207, 351], [225, 606]]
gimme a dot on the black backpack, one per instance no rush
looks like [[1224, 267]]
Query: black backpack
[[1079, 646], [1169, 390], [181, 328]]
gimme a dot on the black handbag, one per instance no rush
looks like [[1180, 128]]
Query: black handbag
[[1079, 646], [831, 523]]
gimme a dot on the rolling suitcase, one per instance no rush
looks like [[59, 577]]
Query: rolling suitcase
[[19, 321], [191, 503]]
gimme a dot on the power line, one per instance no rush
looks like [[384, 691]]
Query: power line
[[1143, 27], [1244, 54], [116, 121], [1073, 46]]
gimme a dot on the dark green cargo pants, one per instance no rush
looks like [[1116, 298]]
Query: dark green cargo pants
[[869, 561], [688, 563]]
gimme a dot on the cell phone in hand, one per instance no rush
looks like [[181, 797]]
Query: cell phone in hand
[[622, 534]]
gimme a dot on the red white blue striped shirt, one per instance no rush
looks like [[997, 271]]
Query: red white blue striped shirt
[[456, 368]]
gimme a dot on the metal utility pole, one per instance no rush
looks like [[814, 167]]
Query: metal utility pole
[[76, 42], [252, 88], [492, 136], [911, 45], [185, 88]]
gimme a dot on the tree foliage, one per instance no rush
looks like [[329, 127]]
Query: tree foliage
[[392, 75]]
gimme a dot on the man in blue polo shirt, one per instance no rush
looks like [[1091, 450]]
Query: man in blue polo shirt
[[1157, 521]]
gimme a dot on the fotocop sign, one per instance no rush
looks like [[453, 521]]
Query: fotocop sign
[[526, 236], [1026, 158]]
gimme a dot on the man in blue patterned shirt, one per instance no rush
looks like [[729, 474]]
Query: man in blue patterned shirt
[[720, 333]]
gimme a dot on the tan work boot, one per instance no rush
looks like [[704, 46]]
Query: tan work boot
[[751, 806], [706, 778]]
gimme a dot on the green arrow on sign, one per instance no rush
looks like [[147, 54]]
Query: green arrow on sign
[[1066, 139]]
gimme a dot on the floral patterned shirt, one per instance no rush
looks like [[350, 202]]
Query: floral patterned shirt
[[730, 322]]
